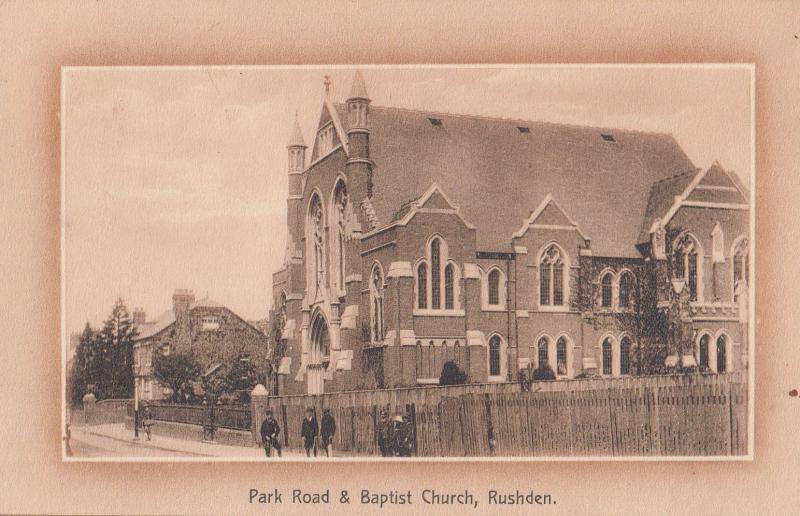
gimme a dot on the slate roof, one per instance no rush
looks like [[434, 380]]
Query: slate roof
[[661, 198], [498, 174], [164, 320]]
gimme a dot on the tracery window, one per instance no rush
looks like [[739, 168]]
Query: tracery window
[[437, 279], [340, 201], [686, 259], [626, 287], [435, 274], [551, 277], [741, 266], [376, 304], [318, 241], [607, 290]]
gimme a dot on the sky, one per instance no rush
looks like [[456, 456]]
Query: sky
[[176, 177]]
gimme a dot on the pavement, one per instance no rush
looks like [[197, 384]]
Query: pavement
[[114, 440]]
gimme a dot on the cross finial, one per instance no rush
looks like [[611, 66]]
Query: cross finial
[[327, 83]]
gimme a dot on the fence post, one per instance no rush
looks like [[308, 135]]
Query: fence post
[[259, 401]]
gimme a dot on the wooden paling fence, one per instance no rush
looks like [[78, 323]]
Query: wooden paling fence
[[648, 416]]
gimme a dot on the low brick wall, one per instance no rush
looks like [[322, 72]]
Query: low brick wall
[[190, 432]]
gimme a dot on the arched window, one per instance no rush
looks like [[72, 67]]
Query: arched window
[[376, 304], [317, 237], [625, 356], [562, 368], [687, 261], [494, 356], [607, 290], [741, 267], [607, 357], [422, 285], [551, 277], [448, 286], [340, 204], [626, 286], [542, 355], [435, 265], [282, 308], [493, 281], [702, 351], [722, 354]]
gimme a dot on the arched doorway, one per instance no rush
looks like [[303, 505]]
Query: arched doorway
[[318, 356]]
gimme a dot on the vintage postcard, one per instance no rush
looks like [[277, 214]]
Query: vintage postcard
[[408, 263]]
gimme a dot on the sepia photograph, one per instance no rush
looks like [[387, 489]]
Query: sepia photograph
[[408, 263]]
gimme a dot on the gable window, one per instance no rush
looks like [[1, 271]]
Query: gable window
[[448, 287], [210, 322], [687, 258], [437, 287], [376, 304], [741, 268], [551, 277], [325, 140], [626, 285], [422, 285], [495, 369], [435, 264], [317, 238], [607, 290]]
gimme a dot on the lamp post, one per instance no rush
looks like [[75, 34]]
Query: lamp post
[[136, 406]]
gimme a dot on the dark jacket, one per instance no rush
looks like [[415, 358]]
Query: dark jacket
[[310, 428], [327, 426], [270, 428]]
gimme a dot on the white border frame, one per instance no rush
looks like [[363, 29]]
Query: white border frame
[[751, 333]]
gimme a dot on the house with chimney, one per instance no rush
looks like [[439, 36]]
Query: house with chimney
[[416, 238], [210, 331]]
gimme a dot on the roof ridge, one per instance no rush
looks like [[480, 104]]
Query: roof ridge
[[676, 176], [513, 120]]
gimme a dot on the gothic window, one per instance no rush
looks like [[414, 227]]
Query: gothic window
[[318, 241], [448, 286], [607, 357], [722, 354], [717, 244], [551, 277], [687, 258], [741, 268], [283, 307], [435, 272], [494, 287], [703, 352], [376, 304], [625, 356], [626, 286], [340, 200], [561, 357], [494, 356], [541, 352], [422, 286], [607, 292]]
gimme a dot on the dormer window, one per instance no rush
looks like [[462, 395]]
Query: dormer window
[[608, 137], [523, 129], [435, 122]]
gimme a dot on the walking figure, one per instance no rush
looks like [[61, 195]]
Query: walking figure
[[309, 431], [385, 434], [327, 431], [269, 434], [147, 421]]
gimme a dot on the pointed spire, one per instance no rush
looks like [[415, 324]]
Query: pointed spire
[[358, 90], [296, 139]]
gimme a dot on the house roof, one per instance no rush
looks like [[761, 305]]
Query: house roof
[[166, 319], [498, 173]]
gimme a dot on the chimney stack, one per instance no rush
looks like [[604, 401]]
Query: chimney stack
[[139, 316], [182, 300]]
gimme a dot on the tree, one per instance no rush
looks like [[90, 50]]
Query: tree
[[175, 370], [81, 373], [452, 375], [114, 360]]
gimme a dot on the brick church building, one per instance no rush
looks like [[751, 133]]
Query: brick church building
[[417, 238]]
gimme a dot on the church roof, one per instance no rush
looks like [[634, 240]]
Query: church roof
[[499, 170], [358, 90]]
